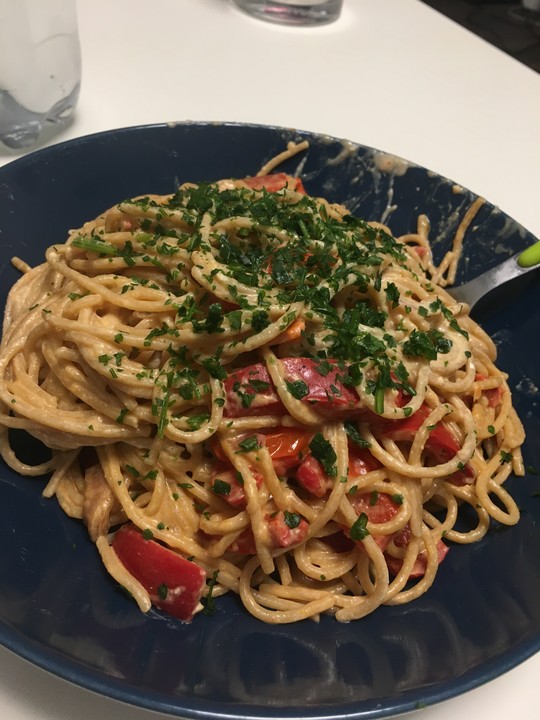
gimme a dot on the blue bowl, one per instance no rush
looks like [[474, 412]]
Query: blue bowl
[[60, 609]]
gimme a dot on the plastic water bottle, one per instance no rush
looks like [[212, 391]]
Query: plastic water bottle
[[40, 67]]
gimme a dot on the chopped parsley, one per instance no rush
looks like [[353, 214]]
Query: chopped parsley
[[359, 529], [121, 416], [292, 520], [297, 388], [195, 422], [94, 243], [427, 344], [323, 451], [249, 444], [352, 431], [221, 487], [209, 601], [392, 294], [253, 271]]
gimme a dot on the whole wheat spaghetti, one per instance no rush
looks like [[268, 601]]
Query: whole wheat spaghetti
[[247, 389]]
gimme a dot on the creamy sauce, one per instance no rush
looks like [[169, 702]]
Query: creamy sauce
[[348, 150], [526, 386], [387, 163]]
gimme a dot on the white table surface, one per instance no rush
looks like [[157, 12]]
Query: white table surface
[[392, 74]]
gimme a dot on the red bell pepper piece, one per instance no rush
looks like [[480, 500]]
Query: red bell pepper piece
[[312, 477], [275, 182], [361, 461], [401, 539], [244, 543], [339, 542], [251, 391], [493, 395], [174, 584], [286, 447], [286, 529], [226, 483], [441, 443], [379, 508]]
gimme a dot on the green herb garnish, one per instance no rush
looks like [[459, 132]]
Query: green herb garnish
[[323, 451], [359, 530]]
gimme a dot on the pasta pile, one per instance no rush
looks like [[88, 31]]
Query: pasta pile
[[280, 395]]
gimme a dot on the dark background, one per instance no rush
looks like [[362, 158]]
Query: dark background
[[503, 24]]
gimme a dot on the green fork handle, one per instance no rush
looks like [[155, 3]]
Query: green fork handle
[[530, 257]]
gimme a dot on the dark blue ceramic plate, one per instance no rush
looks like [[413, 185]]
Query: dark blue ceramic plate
[[58, 607]]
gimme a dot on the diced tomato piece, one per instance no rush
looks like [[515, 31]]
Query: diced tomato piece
[[311, 476], [401, 539], [462, 477], [286, 447], [339, 542], [226, 483], [174, 584], [441, 443], [293, 332], [300, 187], [214, 445], [244, 543], [405, 430], [361, 461], [250, 390], [401, 398], [275, 182], [494, 396], [286, 442], [379, 508], [286, 529]]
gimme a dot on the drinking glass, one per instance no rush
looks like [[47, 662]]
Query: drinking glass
[[293, 12], [40, 67]]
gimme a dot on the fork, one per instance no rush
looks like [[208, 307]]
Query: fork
[[519, 264]]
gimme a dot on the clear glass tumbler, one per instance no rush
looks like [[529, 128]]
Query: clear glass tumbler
[[293, 12], [40, 67]]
